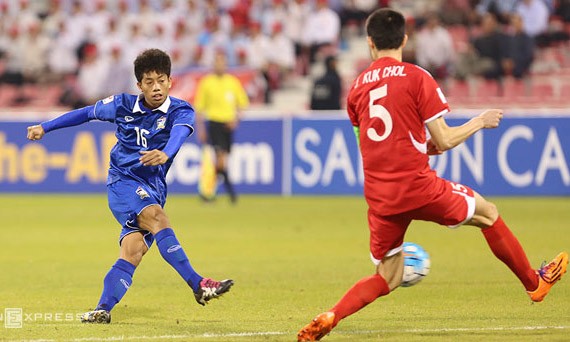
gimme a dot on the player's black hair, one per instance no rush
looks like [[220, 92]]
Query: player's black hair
[[386, 28], [152, 60]]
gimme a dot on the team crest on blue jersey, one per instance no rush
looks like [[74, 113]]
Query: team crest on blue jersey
[[142, 193], [161, 122]]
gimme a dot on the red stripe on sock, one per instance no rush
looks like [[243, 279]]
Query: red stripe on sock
[[364, 292], [507, 248]]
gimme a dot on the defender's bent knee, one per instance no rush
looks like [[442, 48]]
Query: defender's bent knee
[[392, 269], [486, 213]]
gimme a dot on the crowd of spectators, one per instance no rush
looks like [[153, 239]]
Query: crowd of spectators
[[491, 39], [88, 46]]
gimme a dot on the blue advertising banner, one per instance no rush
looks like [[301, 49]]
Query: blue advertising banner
[[524, 156], [255, 161], [325, 158], [76, 159]]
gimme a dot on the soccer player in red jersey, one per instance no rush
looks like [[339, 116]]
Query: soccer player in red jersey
[[389, 105]]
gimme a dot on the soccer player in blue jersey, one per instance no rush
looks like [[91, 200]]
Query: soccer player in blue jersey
[[151, 128]]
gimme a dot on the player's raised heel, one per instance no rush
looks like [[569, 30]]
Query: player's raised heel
[[318, 328], [96, 316], [548, 275], [210, 289]]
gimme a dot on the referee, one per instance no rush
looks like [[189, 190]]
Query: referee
[[220, 98]]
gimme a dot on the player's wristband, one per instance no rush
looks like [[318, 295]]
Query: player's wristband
[[357, 133]]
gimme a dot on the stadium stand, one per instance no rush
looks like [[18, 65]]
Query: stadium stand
[[192, 30]]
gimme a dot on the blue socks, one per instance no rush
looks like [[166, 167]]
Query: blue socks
[[172, 252], [116, 283], [120, 276]]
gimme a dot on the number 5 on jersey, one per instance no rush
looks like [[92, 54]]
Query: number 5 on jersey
[[380, 112]]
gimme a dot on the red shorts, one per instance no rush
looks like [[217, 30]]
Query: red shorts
[[454, 206]]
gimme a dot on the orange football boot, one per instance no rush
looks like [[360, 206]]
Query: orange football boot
[[318, 328], [548, 275]]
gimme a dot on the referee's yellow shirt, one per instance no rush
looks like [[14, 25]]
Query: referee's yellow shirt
[[220, 97]]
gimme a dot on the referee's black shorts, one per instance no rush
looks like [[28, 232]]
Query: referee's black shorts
[[220, 136]]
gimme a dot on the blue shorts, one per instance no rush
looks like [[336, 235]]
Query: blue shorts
[[127, 199]]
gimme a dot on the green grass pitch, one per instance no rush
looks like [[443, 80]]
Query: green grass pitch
[[291, 258]]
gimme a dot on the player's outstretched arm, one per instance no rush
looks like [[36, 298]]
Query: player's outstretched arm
[[73, 118], [445, 137]]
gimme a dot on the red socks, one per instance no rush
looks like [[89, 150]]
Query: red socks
[[502, 242], [364, 292], [507, 248]]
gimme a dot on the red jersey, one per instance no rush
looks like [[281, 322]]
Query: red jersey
[[391, 102]]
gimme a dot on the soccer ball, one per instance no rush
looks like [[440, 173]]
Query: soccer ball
[[416, 264]]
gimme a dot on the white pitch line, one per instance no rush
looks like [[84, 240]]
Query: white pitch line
[[439, 330], [279, 333], [340, 332], [177, 337]]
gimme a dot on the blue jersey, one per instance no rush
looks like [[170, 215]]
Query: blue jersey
[[141, 129]]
